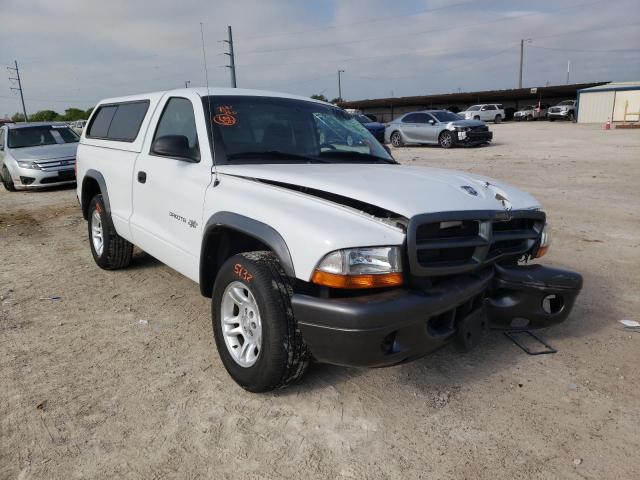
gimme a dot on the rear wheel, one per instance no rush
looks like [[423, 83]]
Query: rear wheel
[[110, 251], [255, 332], [498, 119], [396, 139], [446, 139], [7, 181]]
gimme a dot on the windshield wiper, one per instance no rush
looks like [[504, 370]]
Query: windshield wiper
[[358, 156], [276, 154]]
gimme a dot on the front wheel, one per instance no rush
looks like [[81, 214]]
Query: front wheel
[[7, 181], [396, 139], [446, 139], [257, 337], [572, 116], [110, 251]]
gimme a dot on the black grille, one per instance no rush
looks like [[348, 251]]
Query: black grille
[[481, 128], [455, 242], [63, 176]]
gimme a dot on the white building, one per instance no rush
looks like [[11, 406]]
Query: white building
[[609, 102]]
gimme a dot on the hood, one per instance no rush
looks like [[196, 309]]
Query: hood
[[401, 189], [45, 152], [468, 123]]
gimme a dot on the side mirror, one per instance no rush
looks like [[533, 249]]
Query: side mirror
[[432, 122], [174, 146]]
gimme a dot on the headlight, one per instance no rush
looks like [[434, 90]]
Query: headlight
[[31, 165], [545, 242], [367, 267]]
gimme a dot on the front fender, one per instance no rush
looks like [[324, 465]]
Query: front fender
[[299, 228]]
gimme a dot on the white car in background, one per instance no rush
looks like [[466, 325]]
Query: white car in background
[[488, 112], [78, 126]]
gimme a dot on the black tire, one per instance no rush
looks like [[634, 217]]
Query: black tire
[[572, 116], [396, 139], [498, 119], [552, 119], [283, 356], [529, 118], [7, 181], [116, 251], [477, 117], [446, 139]]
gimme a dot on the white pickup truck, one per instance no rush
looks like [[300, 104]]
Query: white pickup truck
[[310, 240]]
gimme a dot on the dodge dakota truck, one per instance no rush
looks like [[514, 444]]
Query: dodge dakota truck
[[311, 241]]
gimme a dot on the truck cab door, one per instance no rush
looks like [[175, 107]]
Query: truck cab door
[[169, 188]]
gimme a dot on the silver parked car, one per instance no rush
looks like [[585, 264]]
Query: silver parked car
[[36, 155], [440, 127]]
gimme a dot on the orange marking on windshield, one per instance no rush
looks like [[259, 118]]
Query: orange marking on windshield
[[226, 116]]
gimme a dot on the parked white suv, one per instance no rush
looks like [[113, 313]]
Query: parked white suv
[[488, 112], [310, 240]]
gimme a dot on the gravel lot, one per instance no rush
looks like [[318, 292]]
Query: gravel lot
[[119, 377]]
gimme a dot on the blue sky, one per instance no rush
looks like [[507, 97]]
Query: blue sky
[[73, 53]]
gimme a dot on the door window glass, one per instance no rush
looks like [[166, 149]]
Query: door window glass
[[178, 119]]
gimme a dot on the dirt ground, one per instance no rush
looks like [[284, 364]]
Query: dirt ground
[[115, 374]]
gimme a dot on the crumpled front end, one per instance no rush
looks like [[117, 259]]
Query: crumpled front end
[[462, 277]]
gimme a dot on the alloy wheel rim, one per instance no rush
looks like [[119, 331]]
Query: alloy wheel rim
[[446, 140], [395, 140], [241, 324], [97, 233]]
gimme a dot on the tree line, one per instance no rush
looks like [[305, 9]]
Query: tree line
[[69, 115], [319, 96]]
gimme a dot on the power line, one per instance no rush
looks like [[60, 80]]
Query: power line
[[16, 71], [232, 59], [458, 27]]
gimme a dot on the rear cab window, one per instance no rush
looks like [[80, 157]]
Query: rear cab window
[[118, 122]]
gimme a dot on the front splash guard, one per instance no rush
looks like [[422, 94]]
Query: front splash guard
[[531, 296]]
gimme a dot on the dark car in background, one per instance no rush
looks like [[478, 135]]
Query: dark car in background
[[376, 128]]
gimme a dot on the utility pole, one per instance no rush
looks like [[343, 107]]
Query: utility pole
[[232, 60], [528, 40], [340, 85], [19, 89], [568, 69]]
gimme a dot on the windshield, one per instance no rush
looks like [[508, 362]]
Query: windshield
[[446, 116], [277, 130], [475, 108], [566, 102], [41, 135]]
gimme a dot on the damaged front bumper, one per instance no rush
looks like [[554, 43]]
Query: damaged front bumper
[[472, 137], [401, 325]]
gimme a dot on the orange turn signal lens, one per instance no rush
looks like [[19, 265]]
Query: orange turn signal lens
[[542, 251], [379, 280]]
